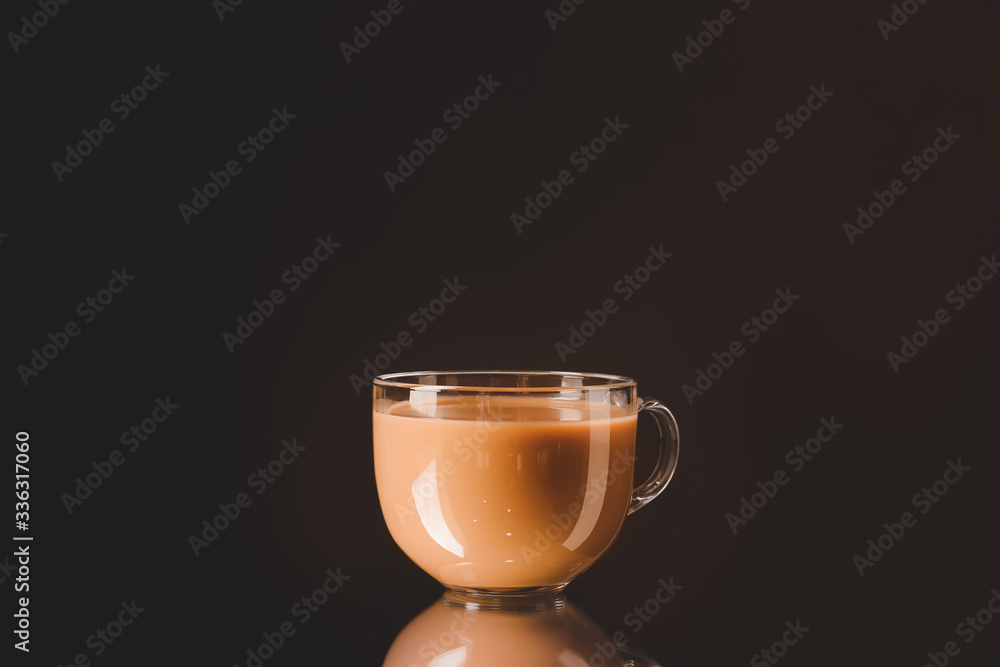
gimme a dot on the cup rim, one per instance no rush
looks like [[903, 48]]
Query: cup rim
[[606, 381]]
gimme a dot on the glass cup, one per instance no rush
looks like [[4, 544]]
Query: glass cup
[[502, 484]]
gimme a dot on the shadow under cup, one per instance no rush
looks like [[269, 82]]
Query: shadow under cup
[[510, 483]]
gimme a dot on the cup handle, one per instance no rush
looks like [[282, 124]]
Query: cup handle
[[666, 463]]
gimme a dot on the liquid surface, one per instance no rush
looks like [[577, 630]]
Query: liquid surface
[[504, 491]]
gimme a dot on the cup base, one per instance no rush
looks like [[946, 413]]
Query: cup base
[[539, 598]]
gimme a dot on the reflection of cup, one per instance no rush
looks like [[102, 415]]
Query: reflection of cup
[[448, 635], [509, 482]]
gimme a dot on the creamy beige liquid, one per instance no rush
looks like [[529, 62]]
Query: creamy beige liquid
[[493, 491]]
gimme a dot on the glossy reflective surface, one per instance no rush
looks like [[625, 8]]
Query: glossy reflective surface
[[558, 635]]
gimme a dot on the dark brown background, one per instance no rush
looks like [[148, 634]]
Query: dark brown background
[[655, 185]]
